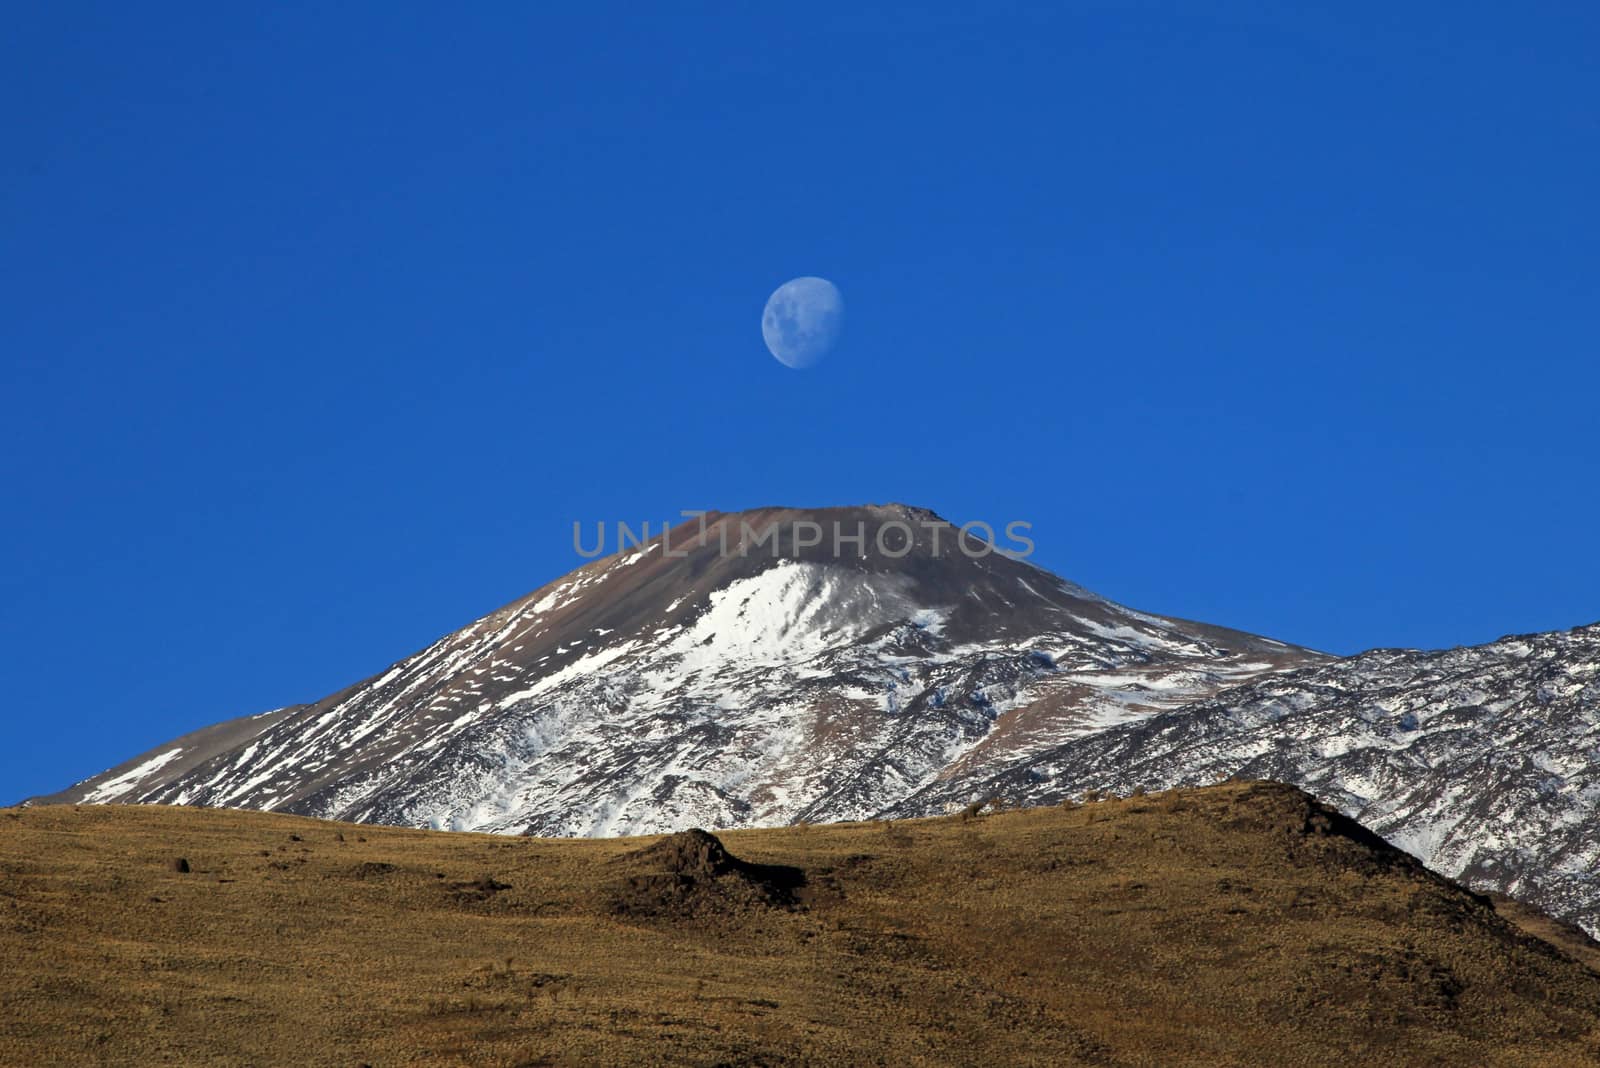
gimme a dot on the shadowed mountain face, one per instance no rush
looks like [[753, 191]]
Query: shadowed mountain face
[[1484, 762], [757, 668]]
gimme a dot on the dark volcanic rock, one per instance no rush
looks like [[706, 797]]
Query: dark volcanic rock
[[691, 874]]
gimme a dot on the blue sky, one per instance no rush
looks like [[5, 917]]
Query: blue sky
[[322, 323]]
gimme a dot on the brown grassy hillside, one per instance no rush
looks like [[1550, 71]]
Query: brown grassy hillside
[[1239, 925]]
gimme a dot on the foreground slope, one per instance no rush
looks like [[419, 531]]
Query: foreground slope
[[1482, 761], [1238, 924], [717, 678]]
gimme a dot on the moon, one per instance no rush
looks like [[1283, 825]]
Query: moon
[[802, 320]]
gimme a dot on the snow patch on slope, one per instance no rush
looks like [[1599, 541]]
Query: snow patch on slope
[[788, 614], [112, 789]]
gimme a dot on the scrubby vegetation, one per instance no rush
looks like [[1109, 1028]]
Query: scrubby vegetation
[[1240, 924]]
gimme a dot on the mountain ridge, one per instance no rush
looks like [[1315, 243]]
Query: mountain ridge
[[1483, 761]]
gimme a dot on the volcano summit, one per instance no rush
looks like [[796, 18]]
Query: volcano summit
[[648, 692]]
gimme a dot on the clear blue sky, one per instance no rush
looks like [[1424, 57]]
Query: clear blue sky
[[322, 323]]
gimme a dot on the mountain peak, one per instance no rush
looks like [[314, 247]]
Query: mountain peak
[[743, 668]]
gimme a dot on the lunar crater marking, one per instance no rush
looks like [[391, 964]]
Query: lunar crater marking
[[802, 320]]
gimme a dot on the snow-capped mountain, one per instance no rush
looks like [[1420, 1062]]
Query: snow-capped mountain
[[712, 678], [1483, 762]]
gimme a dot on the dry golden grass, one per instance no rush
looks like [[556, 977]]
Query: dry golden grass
[[1234, 925]]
